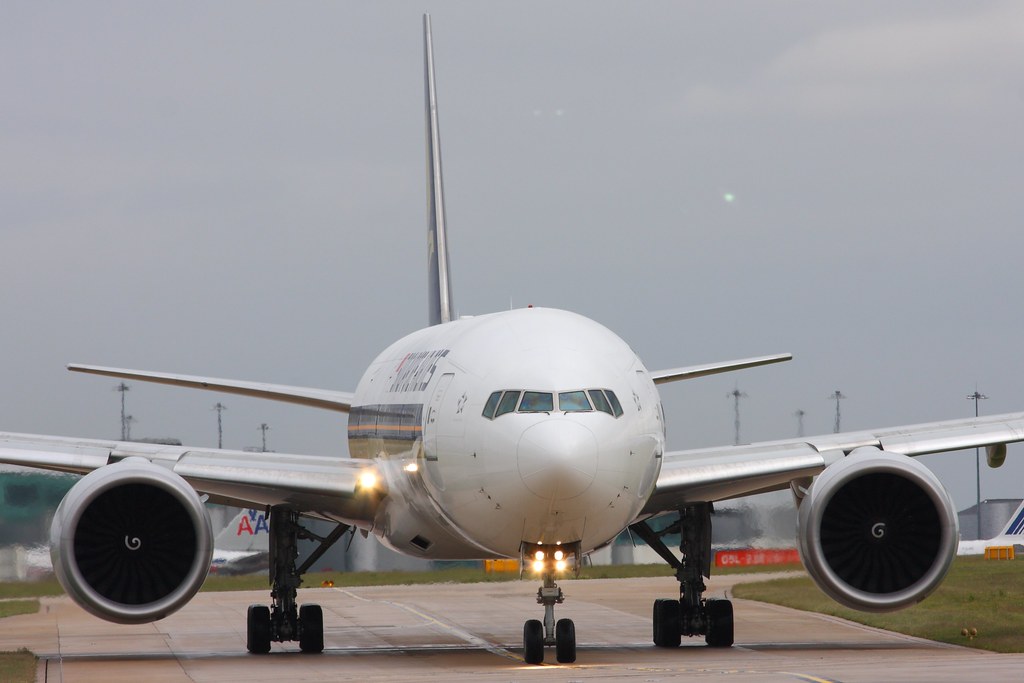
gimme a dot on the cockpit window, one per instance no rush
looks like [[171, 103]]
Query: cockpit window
[[573, 401], [614, 400], [508, 402], [600, 402], [491, 405], [584, 400], [536, 402]]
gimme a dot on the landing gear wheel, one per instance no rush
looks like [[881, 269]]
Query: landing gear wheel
[[257, 631], [533, 642], [311, 629], [565, 641], [720, 631], [666, 623]]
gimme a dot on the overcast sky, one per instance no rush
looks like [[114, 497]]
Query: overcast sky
[[237, 190]]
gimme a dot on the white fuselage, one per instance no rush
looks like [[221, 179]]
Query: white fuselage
[[464, 484]]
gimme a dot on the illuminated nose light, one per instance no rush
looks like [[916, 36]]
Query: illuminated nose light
[[539, 555], [538, 566], [560, 566], [411, 467], [559, 555]]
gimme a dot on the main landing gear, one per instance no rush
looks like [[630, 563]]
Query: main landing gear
[[284, 620], [691, 614], [549, 561]]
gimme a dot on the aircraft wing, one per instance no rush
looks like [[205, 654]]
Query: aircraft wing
[[318, 398], [694, 371], [320, 486], [710, 474]]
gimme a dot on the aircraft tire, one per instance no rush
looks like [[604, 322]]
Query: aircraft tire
[[311, 629], [720, 623], [257, 631], [666, 623], [533, 642], [565, 641]]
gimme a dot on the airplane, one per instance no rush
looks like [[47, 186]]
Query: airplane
[[533, 433], [243, 545], [1011, 535]]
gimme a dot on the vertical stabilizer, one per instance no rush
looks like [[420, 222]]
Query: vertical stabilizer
[[439, 294], [1015, 527]]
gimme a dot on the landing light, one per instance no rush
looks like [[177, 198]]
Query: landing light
[[411, 467], [538, 565], [539, 555], [367, 480], [560, 566], [559, 554]]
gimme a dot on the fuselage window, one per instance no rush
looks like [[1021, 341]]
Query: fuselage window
[[614, 400], [536, 402], [600, 402], [491, 405], [573, 401], [508, 402]]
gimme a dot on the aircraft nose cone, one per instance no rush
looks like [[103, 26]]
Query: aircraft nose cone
[[557, 458]]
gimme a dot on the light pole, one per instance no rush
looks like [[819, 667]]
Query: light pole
[[220, 408], [977, 396], [122, 387], [263, 428], [837, 396]]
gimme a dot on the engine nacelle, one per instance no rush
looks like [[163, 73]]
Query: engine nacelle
[[131, 542], [877, 531]]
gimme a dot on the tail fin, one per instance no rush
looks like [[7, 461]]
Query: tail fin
[[1015, 527], [248, 530], [439, 294]]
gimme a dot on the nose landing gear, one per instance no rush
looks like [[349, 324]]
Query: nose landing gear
[[549, 561]]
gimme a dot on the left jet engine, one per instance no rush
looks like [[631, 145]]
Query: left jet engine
[[131, 542]]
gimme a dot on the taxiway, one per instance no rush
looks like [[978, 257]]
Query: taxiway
[[462, 632]]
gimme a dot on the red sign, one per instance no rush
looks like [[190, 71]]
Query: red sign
[[756, 556]]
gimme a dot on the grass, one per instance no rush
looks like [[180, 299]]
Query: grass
[[12, 608], [986, 595], [17, 667]]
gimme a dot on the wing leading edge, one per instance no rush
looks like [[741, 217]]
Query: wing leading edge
[[694, 371], [320, 486], [711, 474], [317, 398]]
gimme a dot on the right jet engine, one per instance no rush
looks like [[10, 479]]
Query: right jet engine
[[877, 531]]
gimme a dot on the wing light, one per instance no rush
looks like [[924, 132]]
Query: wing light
[[368, 480]]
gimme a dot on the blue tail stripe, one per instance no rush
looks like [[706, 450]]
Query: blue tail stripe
[[1016, 527]]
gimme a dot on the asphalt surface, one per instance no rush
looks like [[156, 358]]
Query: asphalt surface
[[462, 632]]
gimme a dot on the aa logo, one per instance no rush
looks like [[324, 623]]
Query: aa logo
[[252, 523]]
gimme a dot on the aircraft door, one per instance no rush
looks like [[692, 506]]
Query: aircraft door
[[431, 424]]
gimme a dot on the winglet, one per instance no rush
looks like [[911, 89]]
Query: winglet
[[439, 294]]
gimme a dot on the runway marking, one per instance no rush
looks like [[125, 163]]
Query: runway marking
[[450, 628], [809, 678]]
